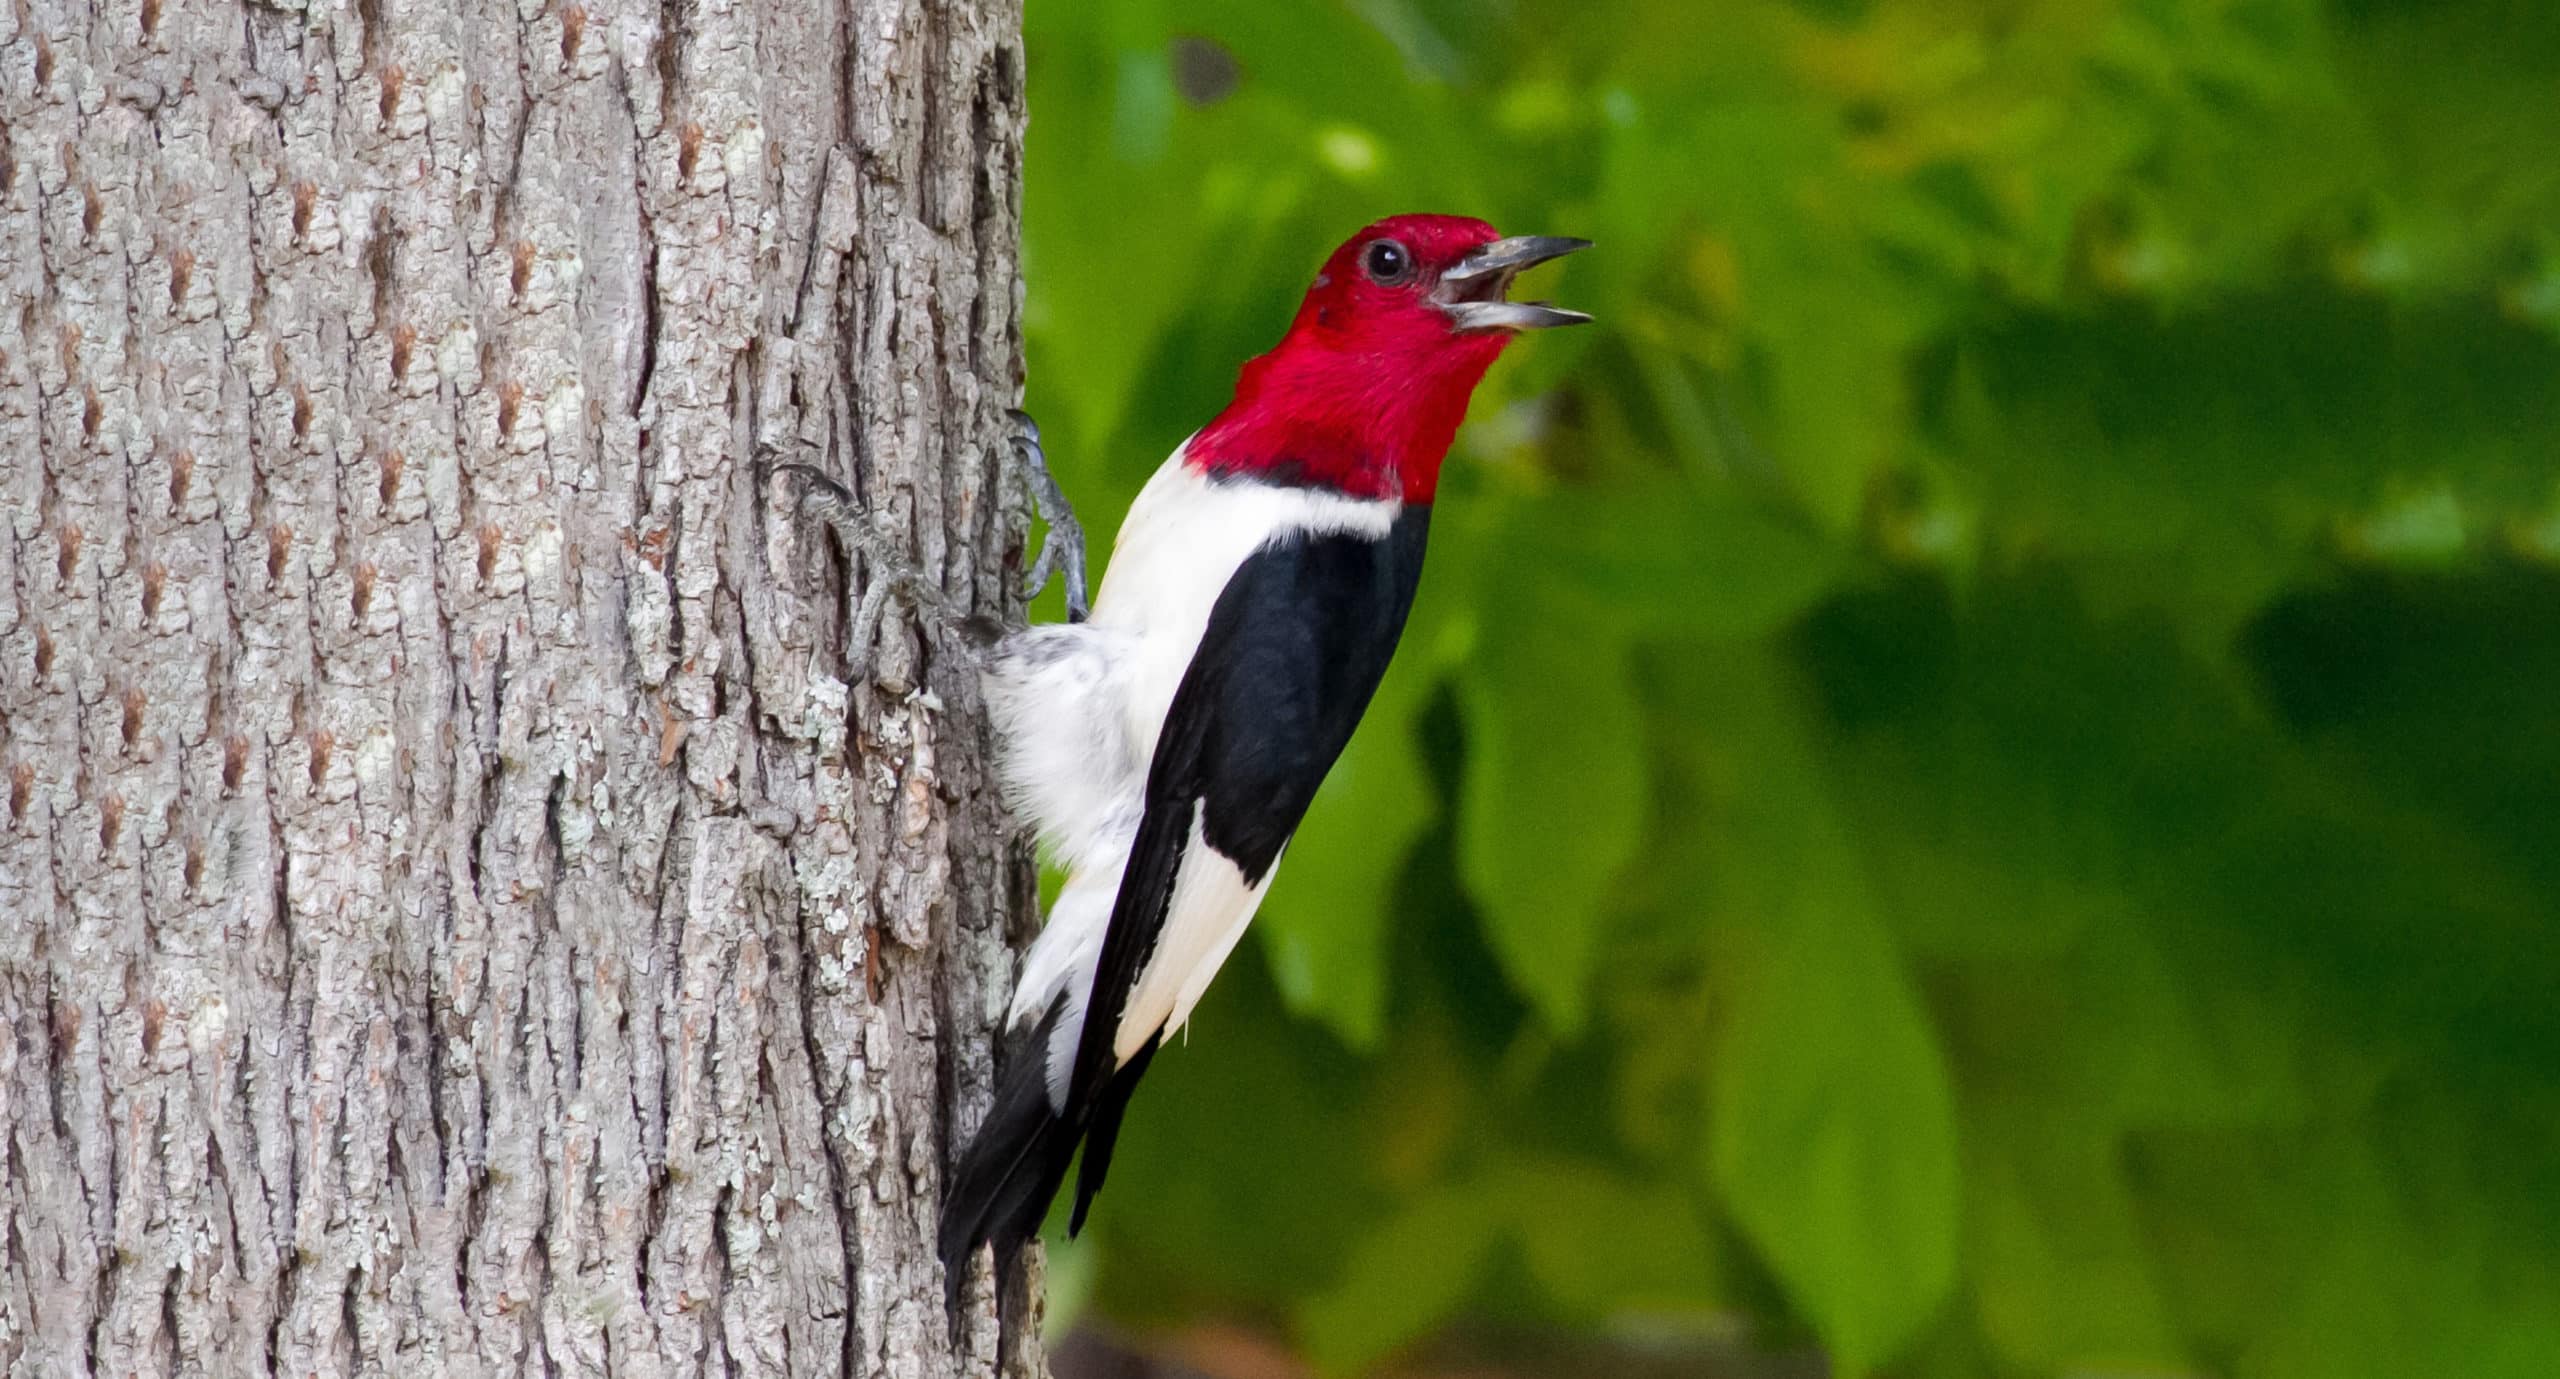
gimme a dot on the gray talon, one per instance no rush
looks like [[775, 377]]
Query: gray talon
[[1062, 550], [834, 504]]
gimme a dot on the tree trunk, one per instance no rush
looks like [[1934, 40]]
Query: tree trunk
[[467, 911]]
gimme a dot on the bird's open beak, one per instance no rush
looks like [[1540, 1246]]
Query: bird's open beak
[[1475, 293]]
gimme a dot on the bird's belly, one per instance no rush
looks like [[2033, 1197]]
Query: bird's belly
[[1059, 695]]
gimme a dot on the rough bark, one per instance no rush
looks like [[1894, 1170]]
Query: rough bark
[[466, 910]]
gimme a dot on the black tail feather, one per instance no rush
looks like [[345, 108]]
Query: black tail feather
[[1104, 1132], [1001, 1189]]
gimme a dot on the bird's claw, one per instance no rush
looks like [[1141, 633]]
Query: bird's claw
[[1062, 549], [834, 504]]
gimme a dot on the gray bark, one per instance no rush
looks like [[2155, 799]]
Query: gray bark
[[462, 908]]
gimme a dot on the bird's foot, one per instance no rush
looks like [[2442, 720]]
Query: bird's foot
[[1062, 549], [892, 575]]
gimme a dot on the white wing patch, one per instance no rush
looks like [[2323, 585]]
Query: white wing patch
[[1196, 984], [1212, 903]]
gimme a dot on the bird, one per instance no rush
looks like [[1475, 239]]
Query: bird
[[1165, 746]]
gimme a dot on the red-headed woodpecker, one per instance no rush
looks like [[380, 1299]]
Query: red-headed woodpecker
[[1166, 747]]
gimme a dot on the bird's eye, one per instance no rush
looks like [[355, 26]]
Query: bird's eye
[[1387, 263]]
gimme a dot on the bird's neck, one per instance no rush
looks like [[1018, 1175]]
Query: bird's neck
[[1368, 425]]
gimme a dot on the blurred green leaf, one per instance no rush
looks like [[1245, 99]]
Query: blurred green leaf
[[1605, 1246], [2062, 1276], [1834, 1139], [1405, 1276], [1668, 560], [1832, 1133], [1327, 935], [1554, 798]]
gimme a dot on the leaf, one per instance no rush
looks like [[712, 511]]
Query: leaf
[[1604, 1245], [1831, 1135], [1712, 560], [2061, 1277], [1554, 800], [1326, 926], [1407, 1275]]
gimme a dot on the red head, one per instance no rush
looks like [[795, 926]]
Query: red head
[[1366, 390]]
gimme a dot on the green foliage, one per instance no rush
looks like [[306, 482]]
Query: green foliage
[[1977, 769], [1831, 1135], [1328, 937], [1554, 794]]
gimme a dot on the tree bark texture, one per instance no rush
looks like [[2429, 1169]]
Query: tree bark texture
[[464, 909]]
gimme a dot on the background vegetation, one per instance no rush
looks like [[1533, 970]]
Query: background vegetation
[[1974, 780]]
